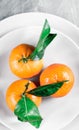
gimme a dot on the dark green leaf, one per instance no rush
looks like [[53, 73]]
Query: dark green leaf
[[27, 111], [44, 40], [21, 119], [45, 43], [45, 30], [47, 90]]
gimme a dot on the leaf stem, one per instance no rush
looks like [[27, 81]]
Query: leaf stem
[[26, 87]]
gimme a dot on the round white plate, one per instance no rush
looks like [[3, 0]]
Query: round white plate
[[61, 50], [27, 19], [37, 19]]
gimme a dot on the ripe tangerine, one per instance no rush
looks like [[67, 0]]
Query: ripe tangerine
[[18, 64], [58, 72], [15, 91]]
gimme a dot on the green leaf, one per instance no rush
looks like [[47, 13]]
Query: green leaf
[[44, 40], [47, 90], [27, 111], [45, 30], [45, 43]]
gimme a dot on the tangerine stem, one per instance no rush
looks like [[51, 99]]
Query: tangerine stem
[[26, 87], [24, 59]]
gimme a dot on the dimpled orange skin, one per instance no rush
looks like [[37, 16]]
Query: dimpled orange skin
[[15, 91], [21, 69], [58, 72]]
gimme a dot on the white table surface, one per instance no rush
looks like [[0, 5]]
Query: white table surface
[[68, 9]]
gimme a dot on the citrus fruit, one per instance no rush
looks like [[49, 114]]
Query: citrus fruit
[[15, 91], [18, 64], [55, 73]]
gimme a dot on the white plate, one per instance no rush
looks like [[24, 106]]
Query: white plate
[[27, 19], [62, 50], [37, 19]]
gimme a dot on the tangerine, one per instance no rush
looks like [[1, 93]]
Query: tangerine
[[20, 66], [15, 91], [55, 73]]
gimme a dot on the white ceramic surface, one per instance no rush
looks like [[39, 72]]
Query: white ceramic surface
[[27, 19], [37, 19], [61, 50]]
